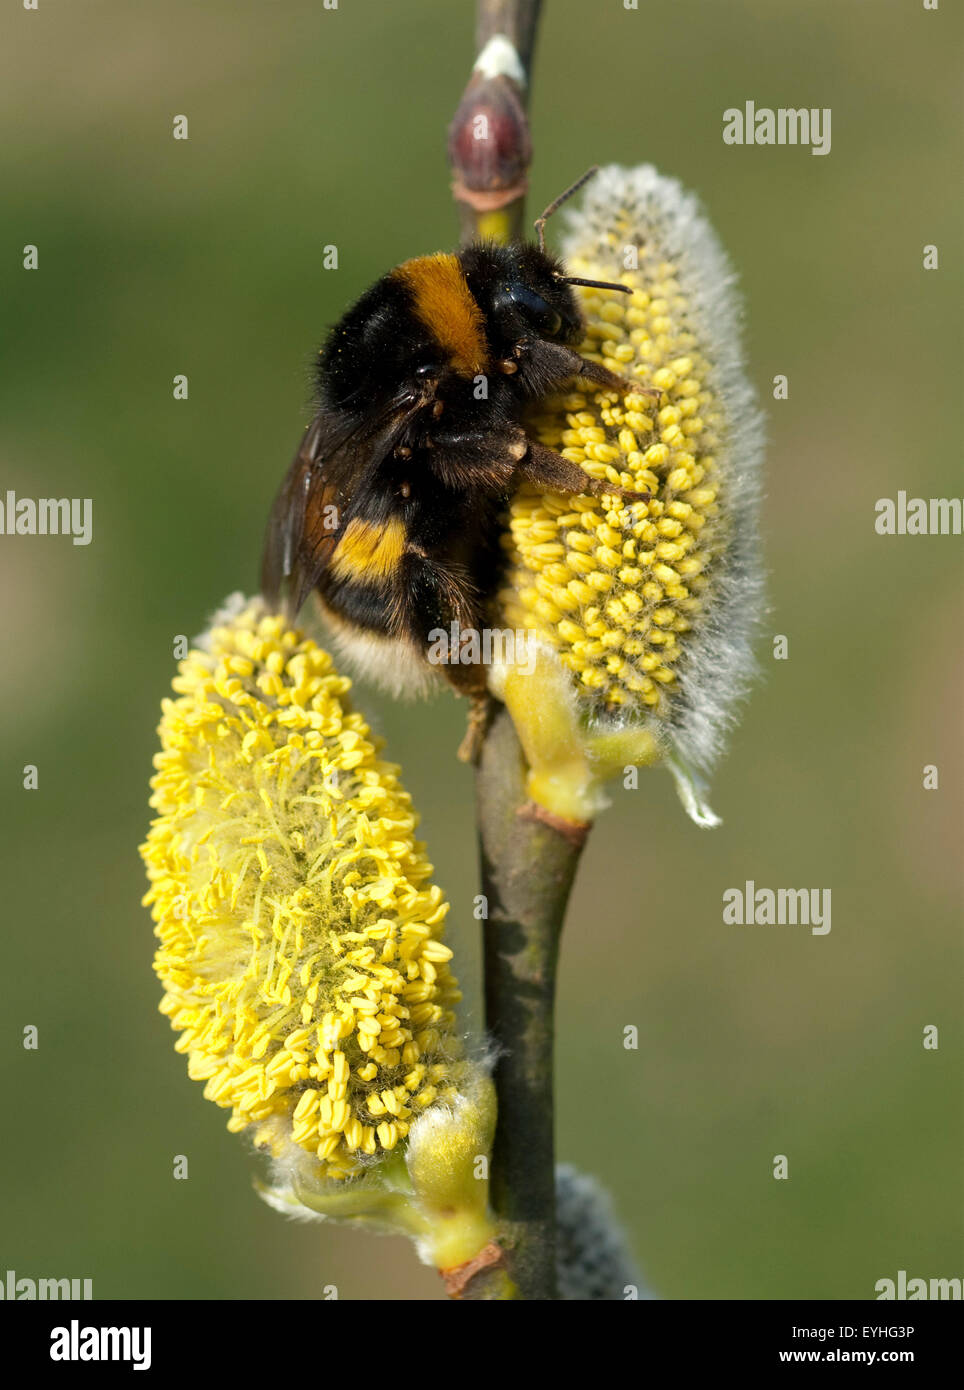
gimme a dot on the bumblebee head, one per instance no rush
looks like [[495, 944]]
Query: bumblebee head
[[533, 297], [524, 290]]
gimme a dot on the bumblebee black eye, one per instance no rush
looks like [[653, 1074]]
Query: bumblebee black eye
[[534, 308]]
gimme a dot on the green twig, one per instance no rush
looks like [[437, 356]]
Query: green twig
[[528, 864], [528, 867]]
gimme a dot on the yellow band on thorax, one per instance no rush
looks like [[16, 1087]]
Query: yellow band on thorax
[[444, 304]]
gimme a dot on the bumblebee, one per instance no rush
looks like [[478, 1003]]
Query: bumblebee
[[390, 510]]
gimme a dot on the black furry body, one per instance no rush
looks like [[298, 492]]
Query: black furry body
[[389, 512]]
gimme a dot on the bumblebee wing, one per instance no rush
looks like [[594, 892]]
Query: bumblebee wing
[[287, 518], [298, 542], [334, 468]]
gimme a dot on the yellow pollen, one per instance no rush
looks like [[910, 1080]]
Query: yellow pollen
[[292, 902], [567, 578]]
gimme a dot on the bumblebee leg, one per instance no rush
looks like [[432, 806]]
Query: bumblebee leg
[[544, 367], [480, 716], [602, 376], [464, 460], [550, 470], [471, 680], [498, 462]]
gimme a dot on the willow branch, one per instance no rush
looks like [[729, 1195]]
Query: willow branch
[[489, 146], [517, 19], [528, 862], [528, 867]]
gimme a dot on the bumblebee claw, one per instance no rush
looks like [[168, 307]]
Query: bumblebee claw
[[480, 714]]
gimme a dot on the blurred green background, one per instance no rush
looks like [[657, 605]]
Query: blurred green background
[[159, 257]]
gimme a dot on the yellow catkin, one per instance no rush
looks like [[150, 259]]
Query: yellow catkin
[[299, 930], [609, 585]]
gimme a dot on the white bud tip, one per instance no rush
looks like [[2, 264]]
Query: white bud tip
[[500, 58]]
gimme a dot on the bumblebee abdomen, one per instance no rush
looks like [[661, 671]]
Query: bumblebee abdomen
[[363, 581], [403, 577], [369, 551]]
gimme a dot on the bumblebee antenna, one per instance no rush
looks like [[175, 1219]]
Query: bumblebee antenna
[[556, 204], [596, 284]]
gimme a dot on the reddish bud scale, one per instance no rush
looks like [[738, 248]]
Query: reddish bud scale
[[489, 146]]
